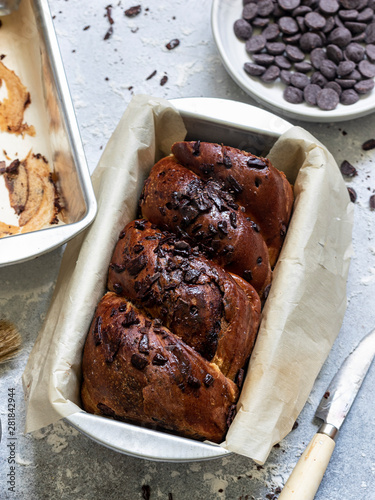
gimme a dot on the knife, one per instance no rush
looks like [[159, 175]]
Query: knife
[[333, 408]]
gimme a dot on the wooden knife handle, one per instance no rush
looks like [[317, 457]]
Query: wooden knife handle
[[309, 471]]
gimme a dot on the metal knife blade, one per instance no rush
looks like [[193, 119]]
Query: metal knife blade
[[333, 408], [341, 392]]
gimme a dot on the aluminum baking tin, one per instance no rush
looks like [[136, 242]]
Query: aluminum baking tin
[[31, 42], [207, 119]]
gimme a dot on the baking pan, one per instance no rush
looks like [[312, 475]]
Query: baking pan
[[208, 119], [28, 40]]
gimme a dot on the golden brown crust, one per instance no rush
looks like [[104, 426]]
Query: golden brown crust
[[193, 297], [135, 370], [260, 188], [177, 200]]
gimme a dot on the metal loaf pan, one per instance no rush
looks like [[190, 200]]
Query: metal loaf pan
[[214, 120], [29, 41]]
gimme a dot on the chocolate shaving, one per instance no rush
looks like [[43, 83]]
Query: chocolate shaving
[[231, 415], [130, 318], [159, 360], [109, 14], [152, 75], [138, 361], [133, 11], [136, 265], [97, 333], [108, 34], [208, 380]]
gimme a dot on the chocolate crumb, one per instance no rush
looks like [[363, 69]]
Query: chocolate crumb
[[370, 144], [109, 14], [173, 44], [108, 34], [146, 492], [348, 169], [133, 11], [86, 28], [352, 195], [295, 425], [164, 80], [152, 75]]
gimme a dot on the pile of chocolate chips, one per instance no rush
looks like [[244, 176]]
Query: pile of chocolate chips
[[322, 50]]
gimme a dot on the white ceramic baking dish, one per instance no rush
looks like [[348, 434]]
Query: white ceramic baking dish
[[208, 119]]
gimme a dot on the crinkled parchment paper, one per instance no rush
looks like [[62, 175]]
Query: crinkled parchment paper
[[302, 315]]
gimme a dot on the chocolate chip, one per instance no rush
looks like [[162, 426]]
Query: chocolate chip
[[347, 169], [317, 56], [315, 21], [366, 68], [271, 74], [364, 86], [299, 80], [293, 95], [133, 11], [289, 4], [255, 44], [242, 29], [370, 144], [327, 99], [340, 36], [310, 93], [310, 41], [135, 266], [263, 59], [328, 69], [288, 25], [196, 148], [173, 44], [105, 410], [329, 6], [249, 12], [349, 96], [372, 202]]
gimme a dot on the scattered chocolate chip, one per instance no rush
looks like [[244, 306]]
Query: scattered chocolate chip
[[370, 144], [109, 33], [86, 28], [352, 194], [133, 11], [173, 44], [372, 202], [347, 169], [295, 425], [164, 80]]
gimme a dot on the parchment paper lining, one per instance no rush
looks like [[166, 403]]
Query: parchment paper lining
[[303, 313]]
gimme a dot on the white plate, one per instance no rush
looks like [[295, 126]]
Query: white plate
[[233, 54]]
